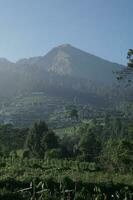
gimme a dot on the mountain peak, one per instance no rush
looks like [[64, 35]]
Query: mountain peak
[[66, 59], [65, 45]]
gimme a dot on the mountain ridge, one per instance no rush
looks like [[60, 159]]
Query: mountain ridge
[[59, 46], [65, 46], [64, 67], [65, 72], [68, 60]]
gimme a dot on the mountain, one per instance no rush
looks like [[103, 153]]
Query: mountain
[[70, 61], [42, 87], [64, 71]]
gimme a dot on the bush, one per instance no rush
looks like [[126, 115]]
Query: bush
[[53, 153], [8, 195]]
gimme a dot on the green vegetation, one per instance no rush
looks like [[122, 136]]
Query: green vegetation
[[83, 152], [95, 162], [130, 58]]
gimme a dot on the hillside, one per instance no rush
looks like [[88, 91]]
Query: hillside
[[64, 67], [68, 60], [65, 73]]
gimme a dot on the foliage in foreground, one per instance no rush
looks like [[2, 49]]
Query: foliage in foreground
[[94, 163]]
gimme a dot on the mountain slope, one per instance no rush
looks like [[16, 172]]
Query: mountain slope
[[68, 60], [35, 88], [64, 71]]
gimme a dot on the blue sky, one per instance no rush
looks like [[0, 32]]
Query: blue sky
[[32, 27]]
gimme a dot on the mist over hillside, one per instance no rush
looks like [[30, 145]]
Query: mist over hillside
[[68, 60], [63, 67]]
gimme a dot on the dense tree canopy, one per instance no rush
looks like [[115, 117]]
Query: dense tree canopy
[[126, 73], [118, 155], [35, 139], [130, 58]]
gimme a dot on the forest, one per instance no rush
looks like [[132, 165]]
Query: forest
[[95, 162]]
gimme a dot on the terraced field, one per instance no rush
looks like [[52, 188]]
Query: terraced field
[[26, 110]]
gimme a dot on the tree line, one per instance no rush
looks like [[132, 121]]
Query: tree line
[[110, 144]]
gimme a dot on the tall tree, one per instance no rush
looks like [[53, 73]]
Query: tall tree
[[118, 155], [89, 146], [74, 114], [127, 73], [35, 137], [130, 58], [50, 141]]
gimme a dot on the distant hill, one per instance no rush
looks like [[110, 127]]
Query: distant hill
[[40, 88], [68, 60], [64, 71]]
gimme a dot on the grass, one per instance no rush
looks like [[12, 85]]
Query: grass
[[60, 176], [69, 131], [77, 171]]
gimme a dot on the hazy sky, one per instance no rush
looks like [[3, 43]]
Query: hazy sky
[[32, 27]]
